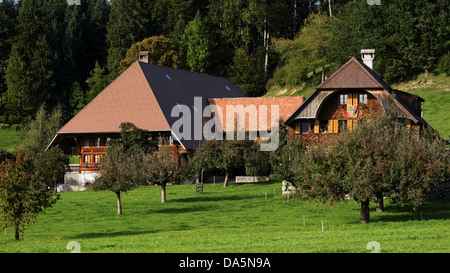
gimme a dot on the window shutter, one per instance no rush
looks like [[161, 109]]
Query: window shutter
[[297, 127], [333, 126], [353, 99], [316, 127]]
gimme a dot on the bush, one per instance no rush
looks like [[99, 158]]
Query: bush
[[4, 126], [261, 169], [444, 65], [16, 127]]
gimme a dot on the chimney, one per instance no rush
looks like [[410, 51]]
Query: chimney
[[143, 56], [367, 56]]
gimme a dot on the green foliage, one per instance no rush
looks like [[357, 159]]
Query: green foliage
[[161, 51], [247, 74], [310, 50], [379, 158], [97, 81], [129, 22], [196, 44], [50, 166], [23, 193], [118, 172], [409, 36], [42, 129], [444, 65]]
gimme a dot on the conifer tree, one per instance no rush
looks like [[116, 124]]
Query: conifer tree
[[30, 66]]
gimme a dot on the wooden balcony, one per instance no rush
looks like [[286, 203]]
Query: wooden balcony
[[94, 150]]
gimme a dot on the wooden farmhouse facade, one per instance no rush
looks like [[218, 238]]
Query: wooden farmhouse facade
[[349, 96]]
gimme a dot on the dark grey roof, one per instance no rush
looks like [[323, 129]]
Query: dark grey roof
[[175, 86]]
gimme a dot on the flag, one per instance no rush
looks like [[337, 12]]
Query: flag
[[352, 111]]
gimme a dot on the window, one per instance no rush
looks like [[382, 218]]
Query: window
[[323, 126], [97, 159], [305, 127], [86, 159], [343, 99], [86, 142], [342, 126], [363, 98]]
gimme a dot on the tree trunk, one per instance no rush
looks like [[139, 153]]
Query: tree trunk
[[323, 71], [380, 203], [365, 216], [119, 203], [16, 228], [163, 193], [329, 7], [225, 183]]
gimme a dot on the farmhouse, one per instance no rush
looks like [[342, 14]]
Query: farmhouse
[[156, 99], [143, 95], [173, 106], [348, 97]]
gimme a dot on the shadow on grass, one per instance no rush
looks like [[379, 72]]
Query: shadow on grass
[[204, 198], [434, 210], [95, 235]]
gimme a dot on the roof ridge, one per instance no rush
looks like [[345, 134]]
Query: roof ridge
[[372, 76]]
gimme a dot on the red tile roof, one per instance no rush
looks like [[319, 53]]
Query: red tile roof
[[127, 99], [286, 105]]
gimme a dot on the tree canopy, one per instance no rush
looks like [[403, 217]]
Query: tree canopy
[[55, 53]]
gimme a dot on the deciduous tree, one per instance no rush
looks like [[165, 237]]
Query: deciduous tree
[[380, 158], [23, 194]]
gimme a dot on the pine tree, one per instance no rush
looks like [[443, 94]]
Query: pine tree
[[129, 22], [30, 68], [247, 74]]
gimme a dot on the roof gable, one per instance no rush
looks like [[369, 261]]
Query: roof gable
[[129, 98], [354, 74]]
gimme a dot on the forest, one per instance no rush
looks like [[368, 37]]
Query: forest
[[58, 54]]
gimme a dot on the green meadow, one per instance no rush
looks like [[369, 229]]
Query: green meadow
[[237, 219]]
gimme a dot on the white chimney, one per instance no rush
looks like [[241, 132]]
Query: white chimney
[[143, 56], [367, 56]]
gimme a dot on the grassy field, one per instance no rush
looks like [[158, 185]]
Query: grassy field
[[10, 140], [236, 219], [435, 90]]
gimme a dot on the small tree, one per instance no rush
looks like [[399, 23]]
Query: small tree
[[162, 167], [42, 129], [50, 166], [118, 172], [120, 168], [23, 194]]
